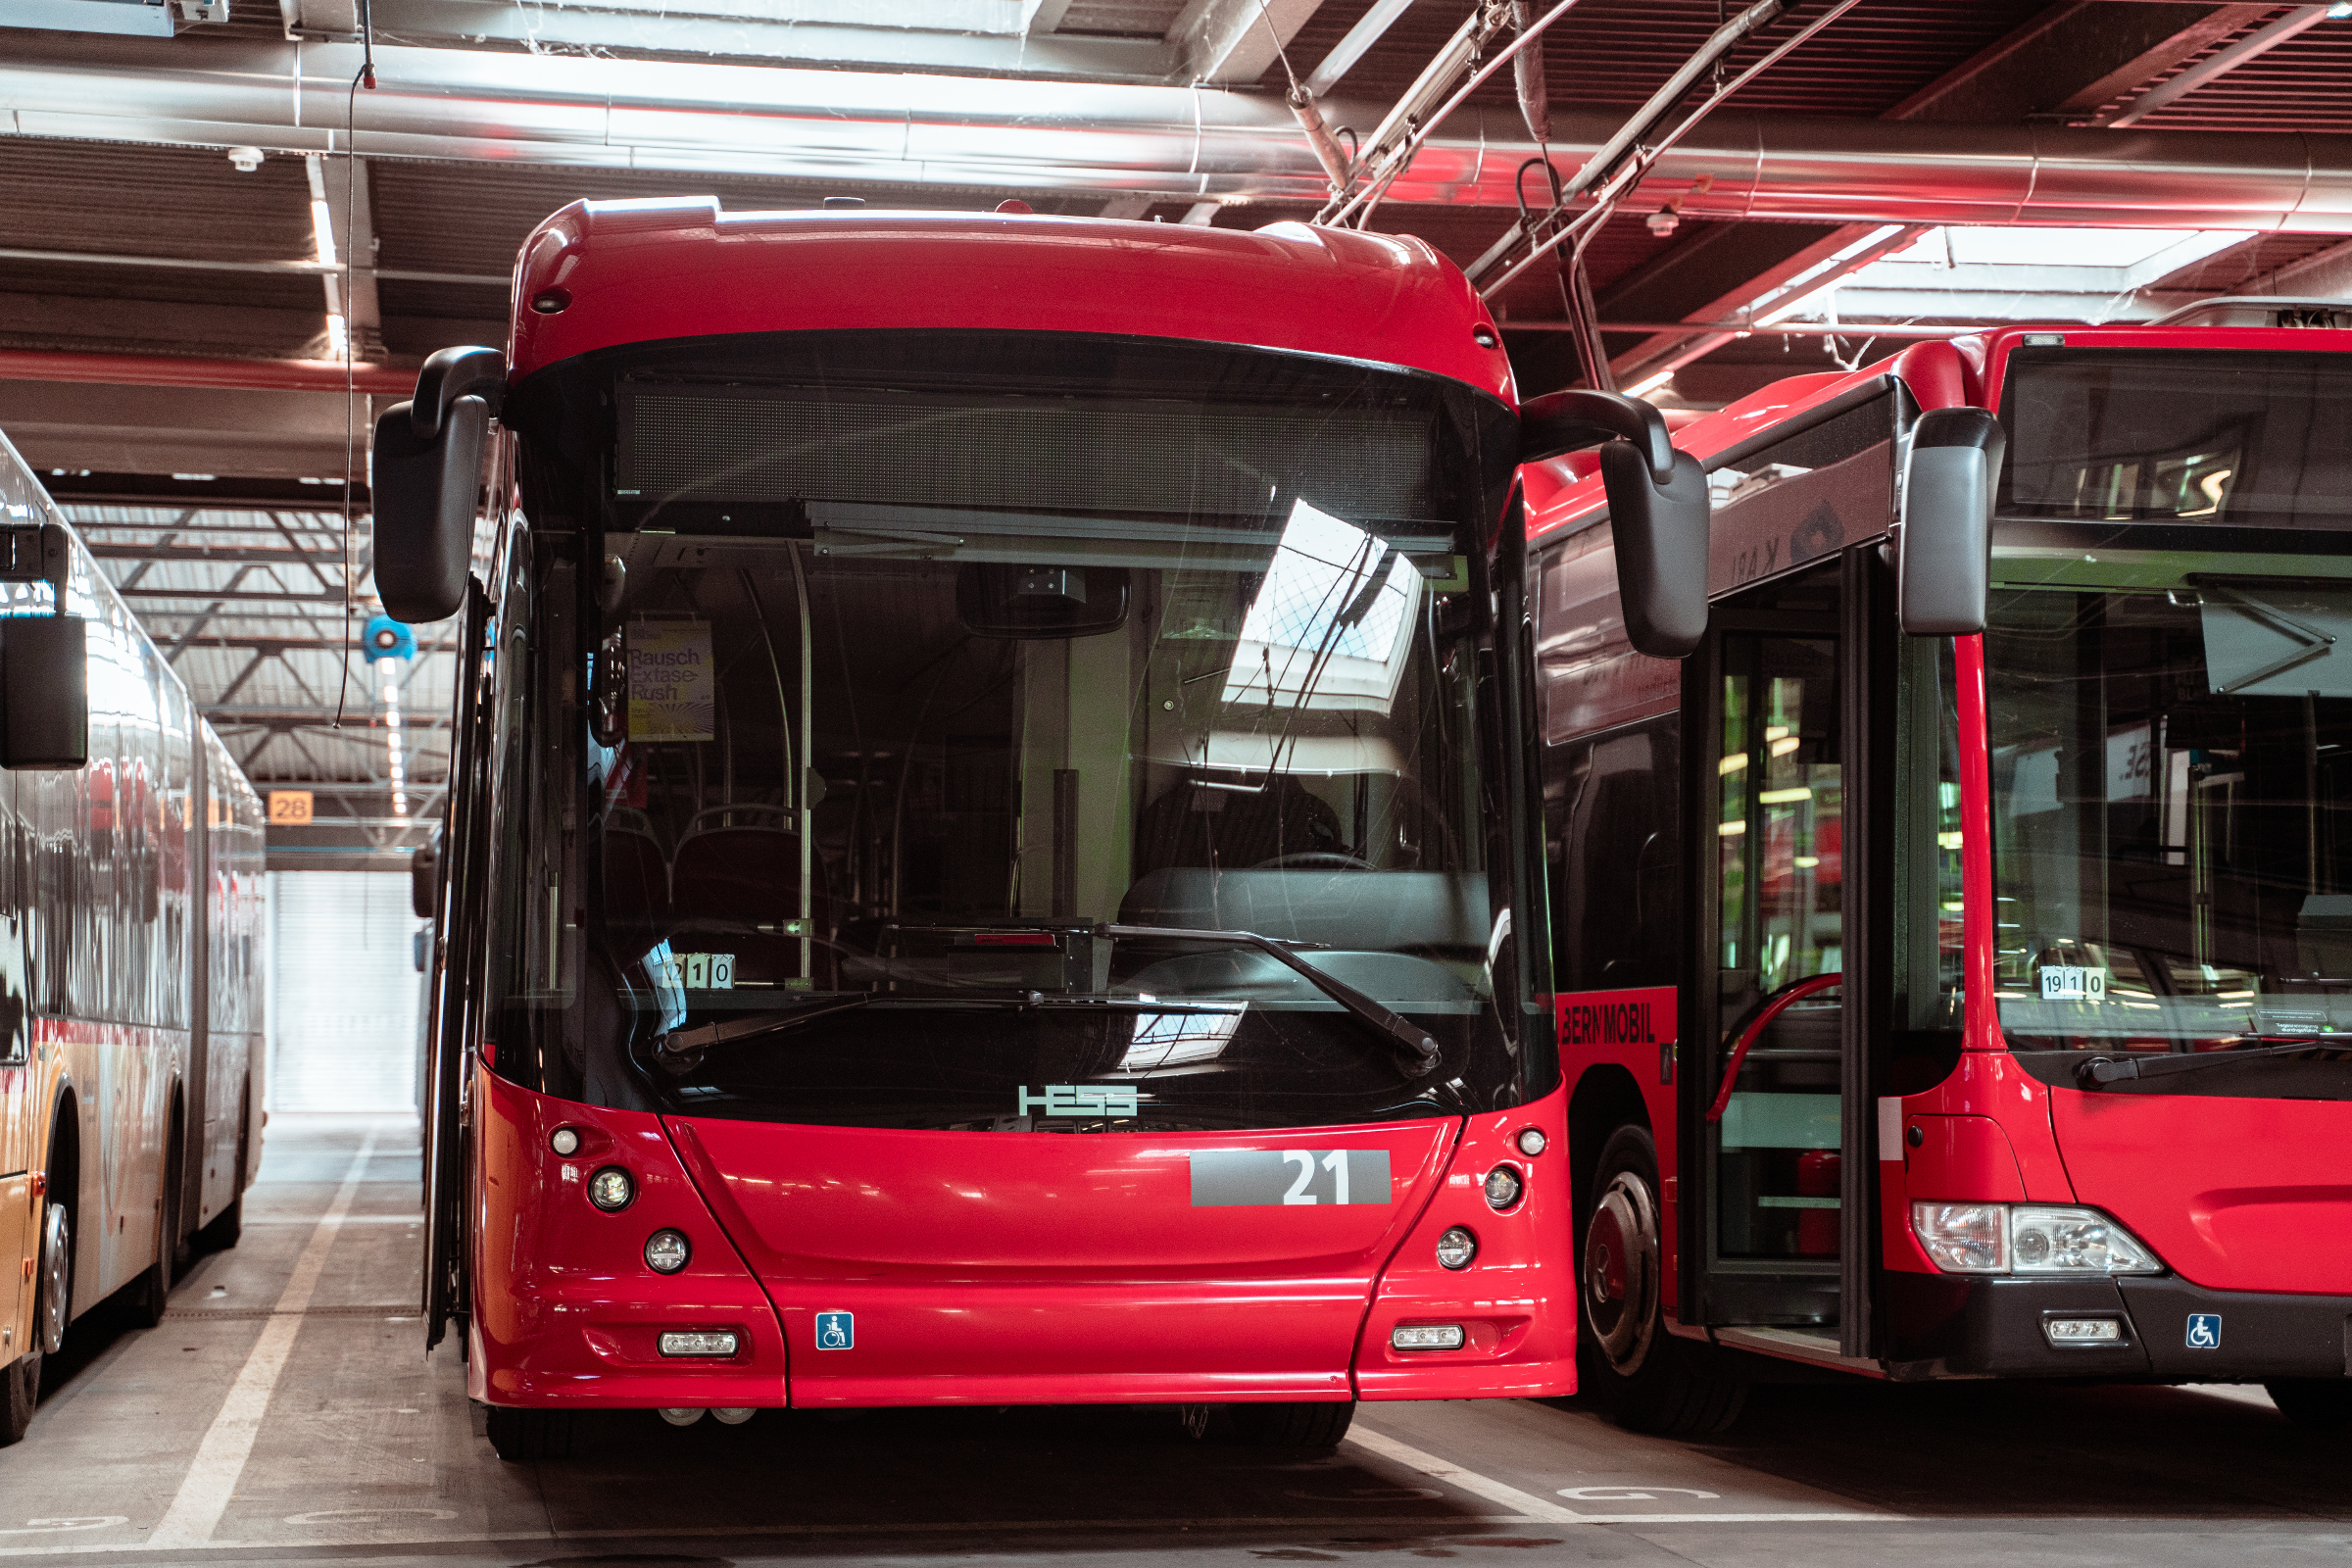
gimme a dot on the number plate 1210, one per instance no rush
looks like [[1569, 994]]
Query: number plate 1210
[[1224, 1178]]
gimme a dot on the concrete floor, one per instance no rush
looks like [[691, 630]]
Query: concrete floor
[[283, 1413]]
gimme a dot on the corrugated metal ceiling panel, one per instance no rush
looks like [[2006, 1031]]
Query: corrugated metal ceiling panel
[[1610, 53], [2303, 84]]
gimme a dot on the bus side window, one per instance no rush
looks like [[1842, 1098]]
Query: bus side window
[[1612, 780]]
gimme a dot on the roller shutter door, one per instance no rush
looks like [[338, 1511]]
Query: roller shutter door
[[343, 991]]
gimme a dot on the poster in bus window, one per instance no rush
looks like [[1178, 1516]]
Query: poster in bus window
[[672, 684]]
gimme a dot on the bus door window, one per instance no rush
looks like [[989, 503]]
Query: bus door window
[[1925, 830], [1779, 903]]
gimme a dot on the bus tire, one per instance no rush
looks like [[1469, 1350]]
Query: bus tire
[[1315, 1428], [151, 1292], [53, 1309], [229, 1226], [524, 1436], [24, 1391], [2315, 1404], [1649, 1380]]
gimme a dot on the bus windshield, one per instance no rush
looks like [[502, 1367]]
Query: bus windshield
[[2171, 755], [946, 706]]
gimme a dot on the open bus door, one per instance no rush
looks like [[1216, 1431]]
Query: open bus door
[[457, 965], [1821, 778], [1777, 1221]]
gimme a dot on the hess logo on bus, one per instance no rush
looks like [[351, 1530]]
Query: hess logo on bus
[[1075, 1100]]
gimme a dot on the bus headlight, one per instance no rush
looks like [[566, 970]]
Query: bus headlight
[[1456, 1246], [1503, 1187], [611, 1190], [666, 1252], [2073, 1241], [2028, 1239]]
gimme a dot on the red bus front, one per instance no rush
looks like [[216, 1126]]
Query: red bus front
[[1003, 870], [2158, 880], [1946, 1006]]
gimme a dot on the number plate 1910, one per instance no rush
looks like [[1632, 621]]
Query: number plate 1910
[[1224, 1178]]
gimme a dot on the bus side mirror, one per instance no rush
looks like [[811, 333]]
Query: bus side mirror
[[1943, 554], [423, 476], [44, 668], [44, 692], [1657, 509], [1660, 531]]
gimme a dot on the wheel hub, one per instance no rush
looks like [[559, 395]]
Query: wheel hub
[[1621, 1271], [57, 1254]]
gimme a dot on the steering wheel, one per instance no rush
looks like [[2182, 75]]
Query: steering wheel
[[1323, 859]]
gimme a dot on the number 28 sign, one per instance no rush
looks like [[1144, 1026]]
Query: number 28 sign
[[290, 807]]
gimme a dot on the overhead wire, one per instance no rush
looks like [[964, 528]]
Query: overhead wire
[[1629, 174], [365, 75], [1403, 157]]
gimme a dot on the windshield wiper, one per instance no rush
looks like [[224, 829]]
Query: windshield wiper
[[2110, 1069], [1416, 1050], [682, 1049]]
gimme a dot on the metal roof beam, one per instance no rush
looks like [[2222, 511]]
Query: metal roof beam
[[293, 719], [650, 31], [2261, 41], [167, 548], [2177, 37], [2051, 60], [231, 591], [1236, 40], [1358, 42]]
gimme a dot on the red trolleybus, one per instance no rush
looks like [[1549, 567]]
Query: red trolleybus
[[988, 863], [1964, 1005]]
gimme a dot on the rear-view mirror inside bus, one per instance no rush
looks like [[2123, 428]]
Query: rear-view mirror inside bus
[[1944, 562], [1657, 509], [995, 599], [44, 692]]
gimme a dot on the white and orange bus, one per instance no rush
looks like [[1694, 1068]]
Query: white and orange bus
[[130, 1015]]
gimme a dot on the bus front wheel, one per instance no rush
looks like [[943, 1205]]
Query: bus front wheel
[[523, 1436], [22, 1392], [2316, 1404], [1313, 1428], [1647, 1379]]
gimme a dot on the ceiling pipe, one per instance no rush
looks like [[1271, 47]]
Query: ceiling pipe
[[701, 122], [158, 370]]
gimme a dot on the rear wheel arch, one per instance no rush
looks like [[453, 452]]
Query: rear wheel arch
[[1606, 1099], [61, 1174], [63, 1160]]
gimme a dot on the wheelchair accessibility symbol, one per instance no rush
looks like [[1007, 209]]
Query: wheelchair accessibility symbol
[[2204, 1331], [836, 1331]]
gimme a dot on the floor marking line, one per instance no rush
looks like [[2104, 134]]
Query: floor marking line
[[1470, 1481], [1537, 1509], [1744, 1518], [1405, 1524], [220, 1457]]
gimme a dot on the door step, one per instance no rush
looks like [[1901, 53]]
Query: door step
[[1813, 1347]]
